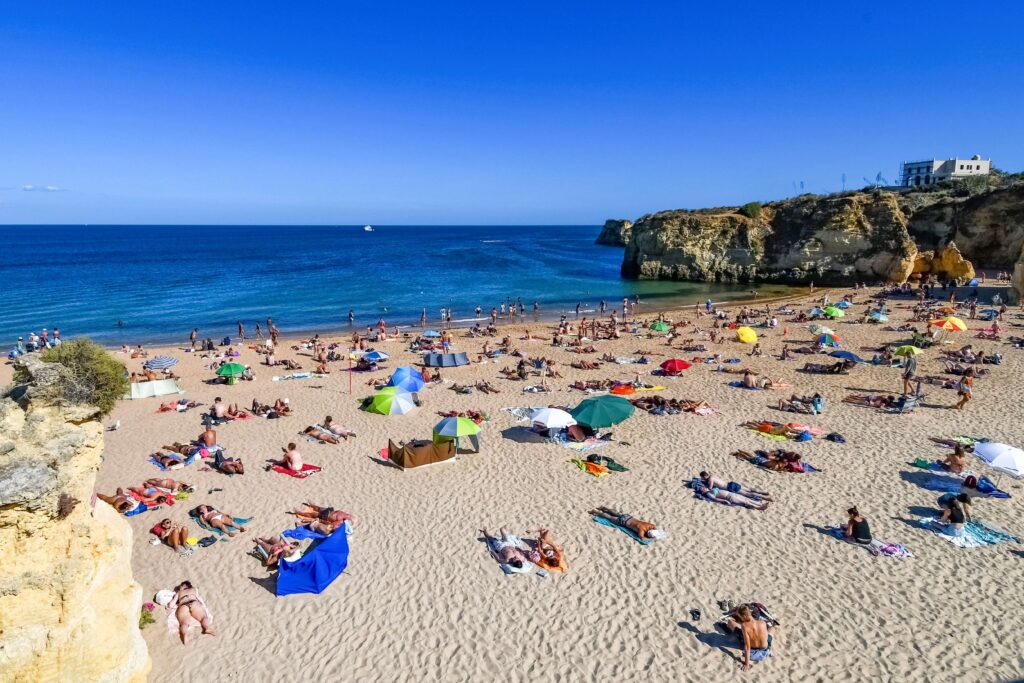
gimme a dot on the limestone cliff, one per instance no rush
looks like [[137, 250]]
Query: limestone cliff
[[834, 239], [1018, 278], [615, 233], [841, 238], [69, 607]]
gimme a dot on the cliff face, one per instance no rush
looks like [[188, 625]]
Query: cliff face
[[615, 233], [987, 228], [69, 607], [827, 240], [835, 239]]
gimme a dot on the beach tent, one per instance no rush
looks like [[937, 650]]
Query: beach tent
[[602, 411], [159, 387], [445, 360], [746, 335], [317, 569], [391, 401], [407, 378], [421, 453], [1001, 456]]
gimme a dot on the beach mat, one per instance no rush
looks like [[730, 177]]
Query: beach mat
[[626, 530]]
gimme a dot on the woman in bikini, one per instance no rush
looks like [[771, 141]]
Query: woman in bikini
[[213, 517], [173, 535], [552, 556], [311, 513], [320, 435], [187, 605], [120, 501], [637, 526], [729, 498], [168, 462], [275, 548]]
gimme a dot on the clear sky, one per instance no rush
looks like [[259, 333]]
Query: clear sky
[[485, 112]]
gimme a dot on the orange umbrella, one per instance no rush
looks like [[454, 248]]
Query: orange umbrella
[[950, 323]]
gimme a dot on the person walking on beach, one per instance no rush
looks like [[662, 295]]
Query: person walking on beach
[[909, 370], [259, 332], [604, 306], [192, 337], [241, 332], [577, 309], [423, 317], [964, 387], [494, 316]]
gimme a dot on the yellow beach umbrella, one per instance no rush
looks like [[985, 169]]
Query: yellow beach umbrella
[[746, 335], [950, 322]]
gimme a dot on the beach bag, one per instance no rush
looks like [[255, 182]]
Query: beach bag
[[803, 436]]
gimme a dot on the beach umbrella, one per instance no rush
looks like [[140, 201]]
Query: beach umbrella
[[623, 389], [906, 351], [552, 418], [660, 326], [947, 310], [847, 355], [431, 334], [834, 312], [828, 340], [820, 329], [951, 323], [878, 316], [674, 366], [1001, 456], [160, 363], [375, 356], [602, 411], [455, 427], [407, 378], [391, 401], [815, 311], [230, 370], [746, 335], [843, 305]]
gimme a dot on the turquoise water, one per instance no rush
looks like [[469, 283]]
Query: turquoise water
[[161, 281]]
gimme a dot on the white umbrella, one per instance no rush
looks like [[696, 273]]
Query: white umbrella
[[552, 418], [1002, 457]]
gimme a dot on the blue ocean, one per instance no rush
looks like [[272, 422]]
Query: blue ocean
[[153, 284]]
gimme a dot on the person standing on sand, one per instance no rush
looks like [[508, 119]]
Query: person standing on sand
[[192, 337], [241, 332], [909, 370], [964, 387], [259, 332]]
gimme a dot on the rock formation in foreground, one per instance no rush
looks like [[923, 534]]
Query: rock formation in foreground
[[873, 236], [69, 607], [615, 232]]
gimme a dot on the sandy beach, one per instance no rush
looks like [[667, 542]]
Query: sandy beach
[[422, 599]]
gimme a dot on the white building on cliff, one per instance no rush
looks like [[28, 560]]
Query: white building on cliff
[[919, 173]]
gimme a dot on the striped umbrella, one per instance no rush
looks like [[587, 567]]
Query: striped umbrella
[[950, 322], [160, 363], [828, 340]]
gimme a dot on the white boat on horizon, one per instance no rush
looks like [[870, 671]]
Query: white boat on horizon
[[367, 228]]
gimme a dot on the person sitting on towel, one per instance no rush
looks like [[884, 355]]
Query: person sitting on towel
[[713, 482], [292, 458], [955, 461], [857, 529], [639, 527], [727, 497], [756, 634]]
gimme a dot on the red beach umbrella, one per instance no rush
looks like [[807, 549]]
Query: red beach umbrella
[[674, 366]]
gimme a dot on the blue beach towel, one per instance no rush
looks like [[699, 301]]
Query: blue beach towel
[[301, 533], [142, 507], [626, 530], [186, 462], [237, 520]]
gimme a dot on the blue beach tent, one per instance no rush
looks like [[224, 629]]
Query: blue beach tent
[[315, 570]]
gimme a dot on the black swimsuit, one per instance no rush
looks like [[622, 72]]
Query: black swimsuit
[[862, 532]]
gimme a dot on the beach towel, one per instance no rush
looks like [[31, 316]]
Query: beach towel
[[562, 439], [301, 474], [591, 468], [240, 521], [875, 547], [184, 462], [976, 533], [139, 509], [626, 530], [172, 617], [301, 533], [608, 462], [494, 546], [738, 384]]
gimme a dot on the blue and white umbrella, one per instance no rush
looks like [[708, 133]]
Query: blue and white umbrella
[[843, 304], [408, 379], [878, 316], [847, 355], [160, 363], [432, 333], [375, 356]]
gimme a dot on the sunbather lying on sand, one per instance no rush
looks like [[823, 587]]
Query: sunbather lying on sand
[[507, 550], [777, 461], [871, 400], [185, 449], [720, 495], [313, 432], [798, 404], [228, 465], [336, 429], [213, 517], [168, 485], [168, 462], [275, 548], [838, 368], [177, 406], [710, 481], [637, 526], [487, 387], [551, 554], [187, 605], [310, 513], [585, 365], [120, 501]]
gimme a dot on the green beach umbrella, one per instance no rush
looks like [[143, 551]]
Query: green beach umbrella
[[602, 411], [391, 401], [660, 326], [906, 351], [834, 312], [456, 426], [230, 370]]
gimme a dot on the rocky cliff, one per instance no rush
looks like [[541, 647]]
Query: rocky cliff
[[69, 608], [834, 239], [615, 233]]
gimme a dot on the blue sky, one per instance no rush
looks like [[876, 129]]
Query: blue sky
[[483, 112]]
